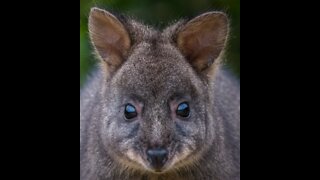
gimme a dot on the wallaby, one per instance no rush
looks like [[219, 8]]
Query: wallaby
[[160, 106]]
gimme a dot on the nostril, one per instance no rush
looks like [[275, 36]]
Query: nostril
[[157, 157]]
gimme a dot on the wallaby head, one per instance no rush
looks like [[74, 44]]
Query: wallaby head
[[156, 114]]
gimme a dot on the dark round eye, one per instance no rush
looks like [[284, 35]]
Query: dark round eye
[[130, 111], [183, 110]]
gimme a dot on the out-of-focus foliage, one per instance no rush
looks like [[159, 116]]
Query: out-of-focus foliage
[[159, 14]]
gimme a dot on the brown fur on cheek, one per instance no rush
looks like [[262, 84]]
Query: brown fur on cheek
[[186, 157], [179, 159], [136, 160]]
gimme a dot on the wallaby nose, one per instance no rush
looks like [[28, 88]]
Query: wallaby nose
[[157, 157]]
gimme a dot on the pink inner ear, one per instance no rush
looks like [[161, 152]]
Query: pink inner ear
[[202, 39], [108, 33], [110, 38], [206, 39]]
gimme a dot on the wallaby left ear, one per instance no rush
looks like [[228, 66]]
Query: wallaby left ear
[[202, 39], [109, 37]]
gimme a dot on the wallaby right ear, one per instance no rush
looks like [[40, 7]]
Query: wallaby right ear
[[202, 40], [109, 37]]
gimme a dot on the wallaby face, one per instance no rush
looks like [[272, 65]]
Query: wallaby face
[[156, 99]]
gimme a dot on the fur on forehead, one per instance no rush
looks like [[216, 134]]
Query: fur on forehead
[[156, 68]]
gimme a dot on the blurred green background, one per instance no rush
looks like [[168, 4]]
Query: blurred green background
[[159, 14]]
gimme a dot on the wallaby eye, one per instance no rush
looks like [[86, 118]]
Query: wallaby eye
[[130, 111], [183, 110]]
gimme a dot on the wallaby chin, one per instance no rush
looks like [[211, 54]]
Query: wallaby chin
[[159, 106]]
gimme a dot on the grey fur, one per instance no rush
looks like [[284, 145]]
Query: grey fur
[[155, 73]]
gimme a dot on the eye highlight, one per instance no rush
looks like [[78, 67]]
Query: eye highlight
[[183, 110], [130, 111]]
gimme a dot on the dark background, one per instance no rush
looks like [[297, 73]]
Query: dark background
[[159, 14]]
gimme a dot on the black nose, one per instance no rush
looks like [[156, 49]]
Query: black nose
[[157, 157]]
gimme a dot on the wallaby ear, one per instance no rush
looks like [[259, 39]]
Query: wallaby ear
[[109, 37], [202, 39]]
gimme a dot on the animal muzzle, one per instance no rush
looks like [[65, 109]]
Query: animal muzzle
[[157, 158]]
